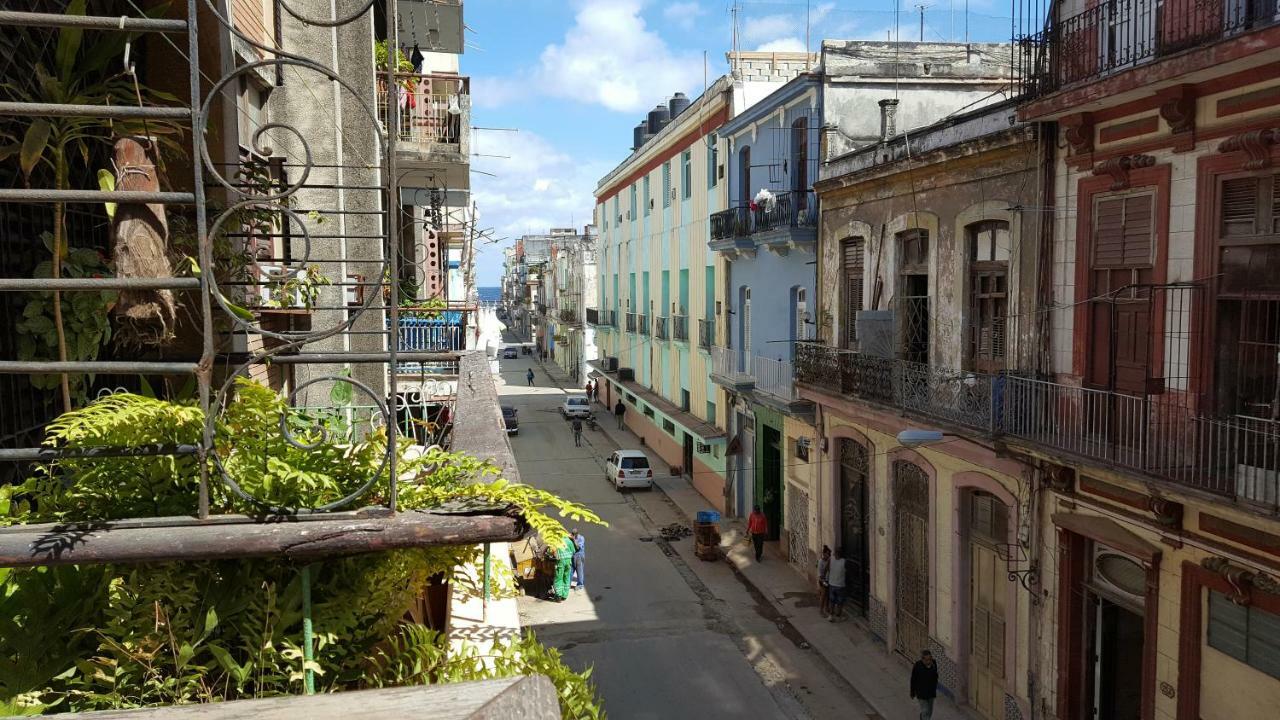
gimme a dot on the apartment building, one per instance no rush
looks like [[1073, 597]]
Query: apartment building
[[661, 289], [570, 289]]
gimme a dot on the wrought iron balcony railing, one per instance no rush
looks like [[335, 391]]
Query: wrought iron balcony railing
[[569, 315], [593, 316], [706, 333], [432, 109], [643, 322], [680, 327], [797, 208], [1158, 435], [660, 329], [631, 322], [1116, 35]]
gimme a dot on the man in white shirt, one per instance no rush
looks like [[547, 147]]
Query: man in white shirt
[[835, 585]]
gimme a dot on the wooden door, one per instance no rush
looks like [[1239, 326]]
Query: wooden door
[[988, 528], [854, 518], [911, 557]]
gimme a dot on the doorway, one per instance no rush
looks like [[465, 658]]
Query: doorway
[[771, 480], [853, 522], [911, 557], [747, 464], [1115, 651], [988, 530], [688, 455]]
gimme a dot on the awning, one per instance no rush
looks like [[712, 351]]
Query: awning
[[705, 431]]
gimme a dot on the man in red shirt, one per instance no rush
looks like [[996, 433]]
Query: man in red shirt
[[758, 526]]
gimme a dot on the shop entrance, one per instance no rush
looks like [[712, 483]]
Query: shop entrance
[[1116, 654]]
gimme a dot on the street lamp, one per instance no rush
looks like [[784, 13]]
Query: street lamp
[[916, 437]]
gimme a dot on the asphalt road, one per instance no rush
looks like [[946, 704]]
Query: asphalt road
[[669, 636]]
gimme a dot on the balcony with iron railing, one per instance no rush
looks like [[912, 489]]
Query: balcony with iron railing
[[569, 316], [643, 322], [1160, 436], [776, 378], [680, 327], [1118, 35], [631, 322], [732, 368], [660, 328], [593, 316], [706, 333], [433, 115], [788, 219]]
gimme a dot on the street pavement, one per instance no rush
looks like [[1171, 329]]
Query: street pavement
[[669, 636]]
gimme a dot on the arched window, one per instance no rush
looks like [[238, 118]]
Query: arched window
[[988, 295]]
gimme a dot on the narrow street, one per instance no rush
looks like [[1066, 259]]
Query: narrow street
[[669, 636]]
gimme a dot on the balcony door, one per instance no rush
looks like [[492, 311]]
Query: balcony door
[[911, 558], [1121, 270], [854, 519], [1127, 33], [744, 352]]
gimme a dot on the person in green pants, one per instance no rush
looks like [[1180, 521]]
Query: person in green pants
[[564, 570]]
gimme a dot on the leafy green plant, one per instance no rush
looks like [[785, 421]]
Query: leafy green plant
[[85, 328]]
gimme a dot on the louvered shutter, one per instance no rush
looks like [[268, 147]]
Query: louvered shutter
[[1240, 206], [1138, 229], [979, 634], [1122, 232], [995, 645], [853, 267], [1275, 204]]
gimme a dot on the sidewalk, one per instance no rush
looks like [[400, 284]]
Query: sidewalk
[[878, 676]]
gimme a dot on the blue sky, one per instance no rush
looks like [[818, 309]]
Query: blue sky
[[574, 78]]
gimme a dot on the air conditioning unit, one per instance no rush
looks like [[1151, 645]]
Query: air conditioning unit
[[610, 364], [875, 332], [703, 448], [626, 374]]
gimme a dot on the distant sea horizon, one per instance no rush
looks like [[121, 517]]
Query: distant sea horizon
[[489, 294]]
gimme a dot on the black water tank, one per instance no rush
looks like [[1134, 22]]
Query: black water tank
[[637, 135], [659, 116], [678, 104]]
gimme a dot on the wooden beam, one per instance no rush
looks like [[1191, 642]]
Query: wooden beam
[[531, 696], [163, 540]]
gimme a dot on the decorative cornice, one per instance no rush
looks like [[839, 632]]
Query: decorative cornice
[[1256, 144], [1178, 108], [1168, 513], [1119, 167], [1078, 130], [1242, 580]]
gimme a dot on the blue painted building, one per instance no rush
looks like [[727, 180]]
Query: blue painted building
[[768, 235]]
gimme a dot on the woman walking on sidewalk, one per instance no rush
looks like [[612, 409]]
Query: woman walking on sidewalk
[[758, 526], [529, 376]]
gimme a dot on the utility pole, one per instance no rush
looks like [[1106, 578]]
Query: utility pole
[[921, 7]]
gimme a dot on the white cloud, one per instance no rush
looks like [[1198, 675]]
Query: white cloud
[[784, 32], [683, 14], [782, 45], [610, 58], [538, 187]]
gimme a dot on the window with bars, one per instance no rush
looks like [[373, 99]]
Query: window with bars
[[851, 252], [988, 294], [1121, 263], [913, 295], [1244, 632], [1247, 307]]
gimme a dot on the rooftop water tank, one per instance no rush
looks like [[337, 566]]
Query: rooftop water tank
[[678, 104], [659, 116], [638, 135]]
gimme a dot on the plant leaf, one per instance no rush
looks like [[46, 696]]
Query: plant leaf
[[34, 144], [107, 183], [69, 42]]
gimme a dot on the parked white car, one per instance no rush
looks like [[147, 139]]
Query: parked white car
[[575, 406], [629, 469]]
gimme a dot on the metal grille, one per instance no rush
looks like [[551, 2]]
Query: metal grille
[[854, 520], [911, 557]]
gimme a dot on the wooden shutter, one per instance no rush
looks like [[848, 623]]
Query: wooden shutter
[[1275, 204], [1122, 231], [1240, 206], [853, 267]]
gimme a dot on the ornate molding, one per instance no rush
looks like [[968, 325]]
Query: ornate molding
[[1242, 580], [1179, 109], [1119, 168], [1256, 144], [1168, 513], [1059, 478], [1078, 130]]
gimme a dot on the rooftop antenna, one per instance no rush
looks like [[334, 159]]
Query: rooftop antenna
[[922, 7], [733, 66], [806, 35]]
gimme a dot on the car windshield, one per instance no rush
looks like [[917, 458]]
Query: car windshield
[[577, 401], [635, 463]]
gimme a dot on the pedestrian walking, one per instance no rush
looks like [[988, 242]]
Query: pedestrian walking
[[529, 376], [924, 683], [595, 391], [835, 586], [618, 411], [579, 560], [577, 432], [588, 390], [758, 526], [824, 567], [564, 570]]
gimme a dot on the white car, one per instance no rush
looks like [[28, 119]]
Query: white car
[[629, 469], [575, 406]]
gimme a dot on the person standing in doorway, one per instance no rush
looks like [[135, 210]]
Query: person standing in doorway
[[618, 411], [529, 376], [924, 684], [758, 526], [835, 586], [579, 559], [577, 432], [824, 567]]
